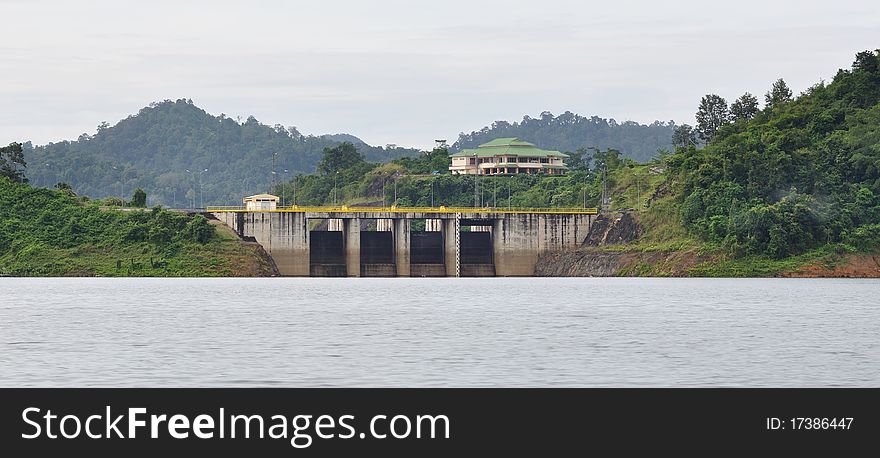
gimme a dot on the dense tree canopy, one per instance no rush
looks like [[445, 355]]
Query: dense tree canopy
[[711, 116], [801, 173], [12, 162], [153, 149], [744, 108], [684, 136], [340, 157], [569, 132], [778, 94]]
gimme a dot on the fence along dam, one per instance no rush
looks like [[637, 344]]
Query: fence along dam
[[382, 242]]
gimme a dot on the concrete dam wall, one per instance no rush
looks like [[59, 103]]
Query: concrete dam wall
[[461, 244]]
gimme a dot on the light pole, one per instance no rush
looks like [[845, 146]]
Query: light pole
[[193, 190], [476, 182], [604, 202], [274, 156], [508, 195], [282, 187], [585, 191], [432, 193], [201, 194], [121, 185], [604, 184], [335, 187]]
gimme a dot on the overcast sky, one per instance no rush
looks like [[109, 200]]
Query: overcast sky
[[401, 72]]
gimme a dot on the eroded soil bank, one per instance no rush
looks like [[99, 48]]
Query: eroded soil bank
[[610, 251]]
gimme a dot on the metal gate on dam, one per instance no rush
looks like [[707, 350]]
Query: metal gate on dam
[[409, 242]]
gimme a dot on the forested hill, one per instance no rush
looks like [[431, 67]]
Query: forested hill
[[154, 149], [569, 132], [800, 173]]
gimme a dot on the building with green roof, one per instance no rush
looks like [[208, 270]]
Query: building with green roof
[[507, 156]]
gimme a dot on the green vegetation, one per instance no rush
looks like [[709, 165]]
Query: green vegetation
[[746, 192], [12, 163], [347, 178], [798, 175], [794, 184], [570, 132], [166, 147], [56, 233]]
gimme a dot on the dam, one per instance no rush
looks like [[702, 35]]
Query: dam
[[408, 242]]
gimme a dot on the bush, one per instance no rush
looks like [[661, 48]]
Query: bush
[[199, 229]]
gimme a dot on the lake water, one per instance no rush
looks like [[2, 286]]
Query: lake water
[[539, 332]]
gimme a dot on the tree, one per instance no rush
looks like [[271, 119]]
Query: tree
[[711, 116], [744, 108], [11, 158], [867, 61], [64, 187], [778, 95], [199, 229], [340, 157], [139, 198], [684, 136], [579, 160]]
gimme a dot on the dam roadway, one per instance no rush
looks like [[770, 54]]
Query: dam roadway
[[381, 241]]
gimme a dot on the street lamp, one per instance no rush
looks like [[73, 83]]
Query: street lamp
[[121, 184], [585, 190], [604, 202], [274, 156], [282, 186], [194, 191], [476, 182], [201, 194], [335, 187]]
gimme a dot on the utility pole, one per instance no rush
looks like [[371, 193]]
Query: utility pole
[[604, 203], [282, 188], [585, 191], [193, 189], [508, 194], [274, 181], [476, 182], [432, 193], [201, 194], [605, 186]]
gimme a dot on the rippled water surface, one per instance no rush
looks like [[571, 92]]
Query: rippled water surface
[[439, 332]]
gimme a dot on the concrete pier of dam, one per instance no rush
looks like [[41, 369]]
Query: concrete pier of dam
[[454, 243]]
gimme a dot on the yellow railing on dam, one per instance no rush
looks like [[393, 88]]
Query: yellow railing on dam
[[347, 209]]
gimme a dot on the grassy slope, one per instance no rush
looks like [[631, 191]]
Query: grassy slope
[[666, 248], [34, 247]]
